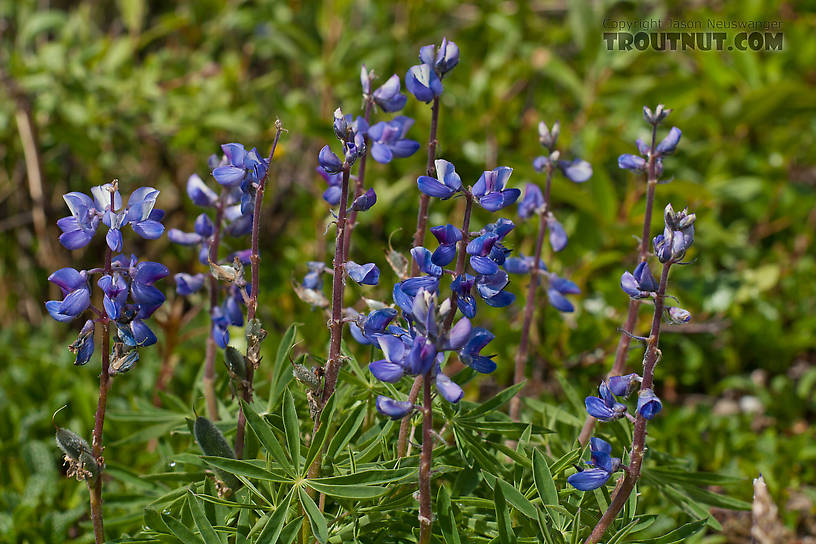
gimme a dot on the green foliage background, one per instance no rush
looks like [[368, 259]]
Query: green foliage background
[[145, 91]]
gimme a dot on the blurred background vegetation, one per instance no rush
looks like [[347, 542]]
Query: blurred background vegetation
[[144, 91]]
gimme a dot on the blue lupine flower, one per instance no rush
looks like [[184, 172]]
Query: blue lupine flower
[[187, 284], [490, 190], [446, 184], [388, 96], [522, 265], [116, 290], [557, 289], [142, 277], [220, 327], [576, 170], [449, 390], [329, 162], [648, 404], [140, 213], [76, 294], [479, 248], [364, 201], [677, 315], [605, 407], [623, 386], [631, 162], [365, 274], [83, 346], [669, 143], [86, 214], [395, 409], [461, 287], [314, 278], [532, 201], [388, 139], [443, 59], [641, 283], [405, 291], [423, 82], [200, 193], [334, 192], [600, 458], [448, 237], [424, 260], [242, 168], [558, 236], [367, 329], [470, 354]]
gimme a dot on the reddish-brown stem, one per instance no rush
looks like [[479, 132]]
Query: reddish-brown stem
[[252, 304], [209, 361], [430, 170], [622, 350], [530, 302], [425, 513], [95, 485], [332, 369], [638, 449], [358, 189]]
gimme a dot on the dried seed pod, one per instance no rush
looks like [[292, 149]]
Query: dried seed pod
[[213, 443], [78, 454]]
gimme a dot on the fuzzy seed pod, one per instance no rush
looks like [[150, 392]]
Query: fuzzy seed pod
[[305, 376], [235, 361], [213, 443]]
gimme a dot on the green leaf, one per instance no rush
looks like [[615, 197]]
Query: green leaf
[[511, 495], [620, 535], [566, 461], [678, 535], [320, 436], [371, 476], [280, 373], [693, 478], [154, 521], [264, 433], [316, 519], [444, 515], [181, 531], [494, 403], [545, 485], [348, 491], [200, 518], [346, 432], [292, 429], [506, 535], [275, 522], [710, 498], [248, 469]]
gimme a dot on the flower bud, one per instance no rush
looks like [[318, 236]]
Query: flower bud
[[648, 404], [677, 316]]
